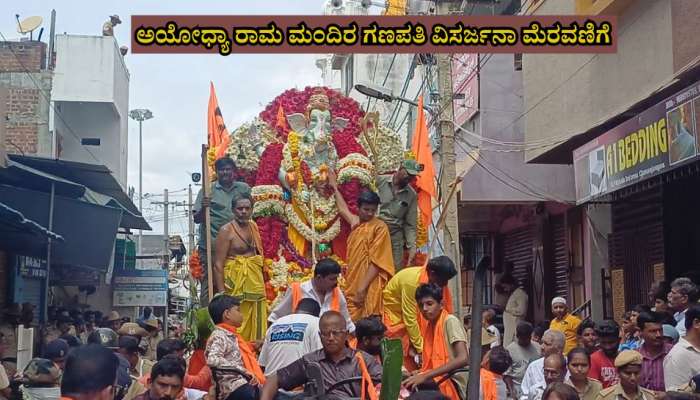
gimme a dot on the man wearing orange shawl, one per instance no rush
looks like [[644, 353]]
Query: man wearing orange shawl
[[370, 263], [444, 344], [238, 268], [227, 349], [401, 314]]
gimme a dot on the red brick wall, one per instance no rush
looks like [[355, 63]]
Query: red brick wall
[[21, 56], [21, 128]]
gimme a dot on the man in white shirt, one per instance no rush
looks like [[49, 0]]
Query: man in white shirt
[[323, 288], [554, 370], [683, 361], [291, 337], [552, 343], [683, 293]]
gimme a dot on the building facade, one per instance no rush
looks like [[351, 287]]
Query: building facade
[[91, 102], [64, 134], [627, 124]]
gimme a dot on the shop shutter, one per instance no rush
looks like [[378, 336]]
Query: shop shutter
[[517, 248], [636, 243], [560, 257]]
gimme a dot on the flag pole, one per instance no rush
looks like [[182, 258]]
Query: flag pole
[[206, 187]]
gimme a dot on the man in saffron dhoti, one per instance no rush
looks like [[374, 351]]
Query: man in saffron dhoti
[[370, 261], [238, 267]]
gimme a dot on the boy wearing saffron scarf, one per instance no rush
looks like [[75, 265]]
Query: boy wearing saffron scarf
[[401, 315], [226, 349], [444, 344]]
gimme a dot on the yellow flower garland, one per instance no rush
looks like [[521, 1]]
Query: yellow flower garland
[[293, 141]]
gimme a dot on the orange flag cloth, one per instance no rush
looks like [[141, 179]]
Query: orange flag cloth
[[217, 134], [250, 361], [424, 155]]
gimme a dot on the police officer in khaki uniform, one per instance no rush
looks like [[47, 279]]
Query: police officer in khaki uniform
[[153, 338], [629, 368], [399, 209]]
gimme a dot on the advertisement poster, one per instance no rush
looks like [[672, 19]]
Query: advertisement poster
[[655, 141], [140, 288]]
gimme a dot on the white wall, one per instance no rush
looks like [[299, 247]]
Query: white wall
[[91, 95], [91, 120]]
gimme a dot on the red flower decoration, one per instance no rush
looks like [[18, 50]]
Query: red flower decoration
[[295, 101], [269, 165], [272, 232]]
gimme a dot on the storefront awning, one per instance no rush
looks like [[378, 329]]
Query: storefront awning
[[88, 230], [103, 188], [16, 228]]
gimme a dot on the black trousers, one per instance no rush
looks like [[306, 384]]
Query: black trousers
[[245, 392]]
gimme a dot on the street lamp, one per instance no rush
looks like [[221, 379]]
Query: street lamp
[[140, 114], [382, 93]]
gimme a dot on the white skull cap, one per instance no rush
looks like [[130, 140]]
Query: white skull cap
[[558, 300]]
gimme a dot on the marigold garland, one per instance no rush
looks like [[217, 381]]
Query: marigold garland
[[195, 264], [421, 232]]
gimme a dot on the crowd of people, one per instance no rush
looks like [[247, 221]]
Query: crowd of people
[[90, 356], [319, 341]]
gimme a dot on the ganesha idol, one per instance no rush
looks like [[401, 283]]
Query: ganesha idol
[[314, 228]]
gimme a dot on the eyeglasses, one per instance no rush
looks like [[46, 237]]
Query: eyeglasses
[[336, 333]]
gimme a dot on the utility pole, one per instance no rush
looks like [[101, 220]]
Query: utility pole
[[448, 204], [166, 239], [190, 221], [139, 115]]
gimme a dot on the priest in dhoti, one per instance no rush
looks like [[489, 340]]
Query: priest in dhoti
[[238, 267], [370, 261]]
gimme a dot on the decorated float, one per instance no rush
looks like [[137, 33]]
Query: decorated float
[[285, 155]]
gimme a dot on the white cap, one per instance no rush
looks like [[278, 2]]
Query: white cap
[[558, 300]]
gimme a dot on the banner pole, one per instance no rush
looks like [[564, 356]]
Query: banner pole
[[206, 187]]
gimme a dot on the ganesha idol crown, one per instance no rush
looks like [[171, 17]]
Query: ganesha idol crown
[[318, 101]]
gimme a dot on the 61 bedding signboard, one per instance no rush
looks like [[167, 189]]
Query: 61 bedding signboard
[[655, 141]]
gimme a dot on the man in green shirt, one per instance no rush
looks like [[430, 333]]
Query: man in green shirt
[[399, 209], [220, 211]]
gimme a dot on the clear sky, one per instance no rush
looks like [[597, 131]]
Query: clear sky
[[176, 87]]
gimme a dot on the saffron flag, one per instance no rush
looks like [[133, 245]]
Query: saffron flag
[[424, 155], [218, 136]]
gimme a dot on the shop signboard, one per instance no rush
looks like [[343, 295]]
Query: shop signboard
[[657, 140], [69, 275], [137, 287], [31, 267]]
